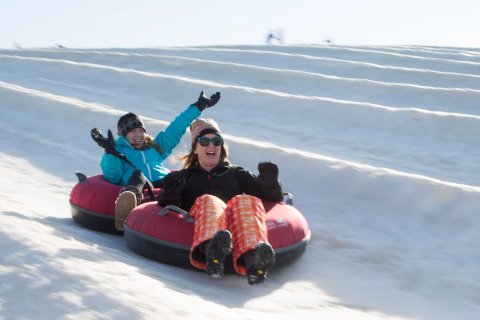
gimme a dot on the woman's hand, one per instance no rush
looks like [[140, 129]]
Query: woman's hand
[[173, 184], [203, 102], [106, 143], [268, 182]]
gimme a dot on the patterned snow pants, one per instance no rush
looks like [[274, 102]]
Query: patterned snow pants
[[243, 216]]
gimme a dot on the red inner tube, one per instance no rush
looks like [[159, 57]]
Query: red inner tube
[[93, 206]]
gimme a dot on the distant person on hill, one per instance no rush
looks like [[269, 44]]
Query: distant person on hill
[[226, 202], [274, 36], [135, 160], [271, 37]]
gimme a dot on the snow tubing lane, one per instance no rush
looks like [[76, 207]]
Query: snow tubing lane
[[92, 203], [168, 238]]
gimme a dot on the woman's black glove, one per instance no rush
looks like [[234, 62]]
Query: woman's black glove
[[173, 184], [268, 182], [106, 143], [204, 102]]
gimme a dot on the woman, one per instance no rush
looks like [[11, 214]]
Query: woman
[[136, 159], [226, 202]]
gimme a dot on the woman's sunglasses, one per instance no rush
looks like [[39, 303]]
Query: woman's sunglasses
[[205, 141]]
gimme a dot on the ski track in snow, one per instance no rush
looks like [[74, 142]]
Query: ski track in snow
[[379, 146]]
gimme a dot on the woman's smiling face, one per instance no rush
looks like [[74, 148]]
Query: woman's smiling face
[[136, 137], [209, 155]]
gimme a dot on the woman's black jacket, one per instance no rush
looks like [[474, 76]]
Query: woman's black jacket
[[224, 181]]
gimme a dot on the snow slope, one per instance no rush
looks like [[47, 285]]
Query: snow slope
[[379, 146]]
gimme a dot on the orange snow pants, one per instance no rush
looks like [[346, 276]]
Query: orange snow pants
[[243, 216]]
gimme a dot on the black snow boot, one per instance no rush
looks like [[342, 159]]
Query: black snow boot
[[128, 199], [215, 252], [258, 261], [136, 183]]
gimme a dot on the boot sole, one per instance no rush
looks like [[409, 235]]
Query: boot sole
[[125, 203], [264, 257], [263, 260], [219, 247]]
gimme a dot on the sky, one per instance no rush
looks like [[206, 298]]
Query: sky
[[379, 147], [151, 23]]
